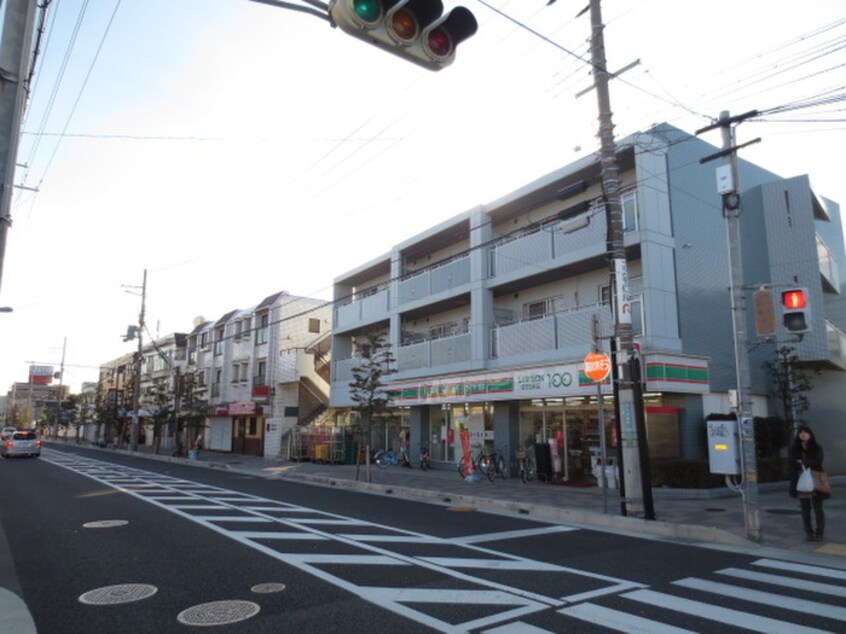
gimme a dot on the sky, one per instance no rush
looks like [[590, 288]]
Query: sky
[[233, 149]]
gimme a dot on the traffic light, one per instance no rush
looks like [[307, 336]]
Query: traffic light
[[416, 30], [795, 310]]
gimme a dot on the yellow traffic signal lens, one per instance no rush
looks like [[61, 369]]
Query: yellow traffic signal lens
[[404, 25]]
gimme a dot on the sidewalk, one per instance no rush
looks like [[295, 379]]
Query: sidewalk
[[681, 515]]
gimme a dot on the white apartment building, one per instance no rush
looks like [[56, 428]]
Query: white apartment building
[[489, 313]]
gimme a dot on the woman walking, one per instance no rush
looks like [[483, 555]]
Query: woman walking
[[806, 453]]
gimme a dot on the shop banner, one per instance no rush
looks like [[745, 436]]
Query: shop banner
[[465, 450]]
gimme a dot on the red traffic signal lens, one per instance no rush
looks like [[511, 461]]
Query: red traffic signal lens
[[404, 25], [794, 299], [439, 42]]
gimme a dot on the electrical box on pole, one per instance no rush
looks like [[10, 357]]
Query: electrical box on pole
[[723, 447]]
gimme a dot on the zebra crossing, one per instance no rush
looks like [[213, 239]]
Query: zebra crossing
[[495, 592]]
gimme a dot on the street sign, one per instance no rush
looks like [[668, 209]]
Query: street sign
[[597, 366], [765, 324]]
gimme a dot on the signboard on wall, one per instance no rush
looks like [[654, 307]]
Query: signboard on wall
[[41, 374]]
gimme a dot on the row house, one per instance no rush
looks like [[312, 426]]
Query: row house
[[490, 314], [262, 371]]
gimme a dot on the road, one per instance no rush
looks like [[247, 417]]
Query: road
[[103, 546]]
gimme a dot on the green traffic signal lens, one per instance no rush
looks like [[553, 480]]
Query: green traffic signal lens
[[369, 11]]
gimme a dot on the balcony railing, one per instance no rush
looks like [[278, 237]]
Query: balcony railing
[[434, 352], [828, 266], [836, 344], [436, 279], [565, 332], [370, 308], [546, 244]]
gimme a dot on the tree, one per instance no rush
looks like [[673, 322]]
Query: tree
[[191, 410], [790, 384], [161, 398], [376, 361]]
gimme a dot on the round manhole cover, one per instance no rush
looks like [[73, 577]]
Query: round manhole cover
[[784, 512], [268, 588], [218, 613], [715, 509], [123, 593], [105, 524]]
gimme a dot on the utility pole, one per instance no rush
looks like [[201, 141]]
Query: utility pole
[[59, 396], [729, 188], [139, 357], [15, 48], [634, 453]]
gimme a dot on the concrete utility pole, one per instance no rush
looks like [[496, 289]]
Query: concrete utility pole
[[729, 187], [136, 390], [59, 396], [15, 48], [636, 480]]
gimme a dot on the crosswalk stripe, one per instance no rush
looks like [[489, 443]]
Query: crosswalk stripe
[[528, 532], [711, 612], [765, 598], [803, 568], [620, 621], [516, 627], [787, 582]]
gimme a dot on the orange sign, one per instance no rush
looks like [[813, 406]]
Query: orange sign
[[597, 366]]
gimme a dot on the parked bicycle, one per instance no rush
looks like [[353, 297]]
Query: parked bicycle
[[385, 459], [425, 463], [497, 466], [481, 463], [525, 465]]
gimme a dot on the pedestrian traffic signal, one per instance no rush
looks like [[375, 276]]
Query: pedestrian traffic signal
[[416, 30], [795, 310]]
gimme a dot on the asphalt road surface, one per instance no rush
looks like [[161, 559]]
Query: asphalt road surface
[[100, 545]]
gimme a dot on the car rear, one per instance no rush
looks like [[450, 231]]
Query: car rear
[[22, 443]]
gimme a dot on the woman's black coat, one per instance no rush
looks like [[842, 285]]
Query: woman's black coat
[[811, 458]]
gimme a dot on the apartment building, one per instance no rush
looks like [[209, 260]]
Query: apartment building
[[490, 313], [262, 371]]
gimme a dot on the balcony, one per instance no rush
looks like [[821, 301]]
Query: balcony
[[836, 345], [433, 353], [369, 309], [433, 280], [566, 333], [828, 267]]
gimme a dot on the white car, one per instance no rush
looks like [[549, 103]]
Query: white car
[[21, 443], [8, 431]]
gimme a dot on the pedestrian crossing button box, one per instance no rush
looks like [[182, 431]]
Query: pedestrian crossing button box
[[723, 447]]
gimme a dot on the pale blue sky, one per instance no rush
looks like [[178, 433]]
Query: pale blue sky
[[234, 149]]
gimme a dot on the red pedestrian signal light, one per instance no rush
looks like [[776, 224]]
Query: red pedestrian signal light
[[795, 310], [416, 30]]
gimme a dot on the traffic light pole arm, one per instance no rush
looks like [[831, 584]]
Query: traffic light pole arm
[[321, 9]]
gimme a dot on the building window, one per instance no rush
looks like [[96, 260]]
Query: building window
[[535, 310], [201, 378], [261, 369], [218, 341], [204, 340], [261, 328], [314, 325], [628, 201]]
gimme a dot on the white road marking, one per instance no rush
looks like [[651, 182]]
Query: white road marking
[[529, 532], [784, 602], [808, 570], [719, 614], [787, 582], [493, 564], [620, 621]]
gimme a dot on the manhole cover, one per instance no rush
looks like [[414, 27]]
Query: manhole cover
[[715, 510], [123, 593], [461, 509], [105, 524], [784, 512], [268, 588], [218, 613]]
